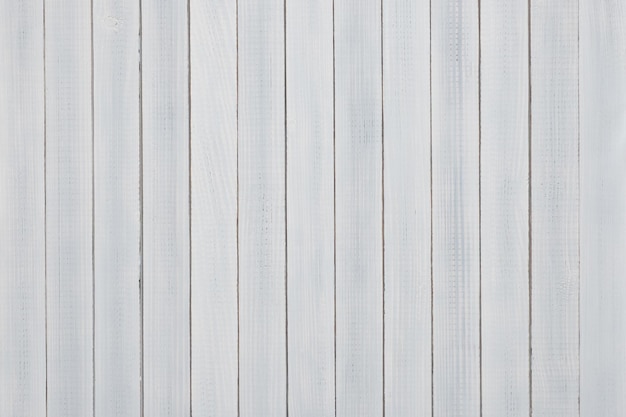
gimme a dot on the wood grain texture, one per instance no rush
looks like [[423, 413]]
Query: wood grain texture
[[22, 211], [602, 207], [359, 215], [504, 208], [262, 246], [554, 205], [310, 208], [117, 257], [214, 207], [69, 208], [406, 76], [455, 199], [166, 277]]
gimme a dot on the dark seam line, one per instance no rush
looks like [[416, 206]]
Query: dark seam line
[[578, 177], [285, 208], [334, 229], [382, 180], [189, 201], [93, 230], [141, 206], [45, 202], [432, 311], [237, 185], [480, 218], [530, 225]]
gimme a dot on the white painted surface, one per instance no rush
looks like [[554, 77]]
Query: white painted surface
[[262, 245], [22, 211], [504, 177], [214, 208], [406, 76], [602, 208], [554, 205], [318, 226], [359, 216], [117, 258], [69, 208], [310, 208], [455, 199], [166, 277]]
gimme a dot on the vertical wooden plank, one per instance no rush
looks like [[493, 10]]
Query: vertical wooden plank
[[504, 208], [117, 259], [166, 278], [310, 208], [602, 207], [69, 207], [359, 221], [554, 207], [262, 246], [214, 207], [406, 72], [22, 212], [455, 199]]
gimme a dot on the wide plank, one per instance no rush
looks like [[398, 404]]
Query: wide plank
[[213, 27], [359, 208], [165, 196], [117, 257], [310, 208], [455, 208], [554, 208], [602, 208], [69, 208], [504, 194], [262, 220], [406, 100], [22, 211]]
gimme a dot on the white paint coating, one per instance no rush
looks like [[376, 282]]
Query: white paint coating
[[69, 205], [214, 208], [262, 254], [166, 278], [117, 257], [310, 208], [22, 211], [406, 76], [504, 208]]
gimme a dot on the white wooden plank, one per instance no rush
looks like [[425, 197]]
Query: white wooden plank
[[504, 208], [359, 216], [554, 208], [214, 207], [117, 259], [310, 208], [22, 211], [455, 199], [406, 72], [166, 278], [69, 208], [262, 246], [602, 208]]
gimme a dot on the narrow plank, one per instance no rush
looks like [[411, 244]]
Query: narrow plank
[[504, 208], [69, 208], [406, 75], [214, 207], [310, 208], [117, 259], [22, 211], [455, 210], [166, 278], [359, 216], [602, 207], [554, 208], [262, 246]]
